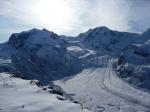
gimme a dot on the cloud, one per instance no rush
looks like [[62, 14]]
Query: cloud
[[139, 17], [122, 15], [110, 13], [28, 13], [75, 16]]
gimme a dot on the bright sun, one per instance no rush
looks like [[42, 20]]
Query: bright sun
[[53, 12]]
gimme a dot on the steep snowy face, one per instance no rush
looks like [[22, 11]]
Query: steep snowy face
[[42, 55], [33, 37], [40, 42], [103, 38]]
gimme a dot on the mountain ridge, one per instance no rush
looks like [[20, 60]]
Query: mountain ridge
[[85, 66], [46, 45]]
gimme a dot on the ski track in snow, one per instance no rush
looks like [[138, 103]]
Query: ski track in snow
[[101, 90], [131, 97]]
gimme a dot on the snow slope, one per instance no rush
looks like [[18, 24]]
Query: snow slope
[[18, 95], [100, 90]]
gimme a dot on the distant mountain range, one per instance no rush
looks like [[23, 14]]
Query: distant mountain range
[[46, 56]]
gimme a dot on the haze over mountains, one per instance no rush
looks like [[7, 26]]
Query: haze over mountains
[[102, 69]]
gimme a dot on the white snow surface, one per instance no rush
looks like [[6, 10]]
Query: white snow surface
[[101, 90], [18, 95]]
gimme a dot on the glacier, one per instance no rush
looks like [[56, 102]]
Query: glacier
[[102, 69]]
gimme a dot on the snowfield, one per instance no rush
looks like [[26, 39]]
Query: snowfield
[[18, 95], [99, 90]]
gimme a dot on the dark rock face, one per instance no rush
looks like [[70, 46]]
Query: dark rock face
[[42, 55], [17, 40]]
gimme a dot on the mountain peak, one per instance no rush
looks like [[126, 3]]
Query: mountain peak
[[102, 28], [33, 36], [146, 33]]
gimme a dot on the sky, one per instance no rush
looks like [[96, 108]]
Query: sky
[[71, 17]]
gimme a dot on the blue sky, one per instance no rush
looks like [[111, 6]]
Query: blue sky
[[71, 17]]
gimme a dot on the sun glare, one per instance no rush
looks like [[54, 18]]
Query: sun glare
[[52, 12]]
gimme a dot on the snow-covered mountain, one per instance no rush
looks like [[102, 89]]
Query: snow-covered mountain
[[102, 38], [104, 70], [40, 54]]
